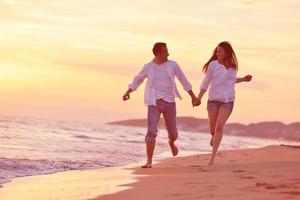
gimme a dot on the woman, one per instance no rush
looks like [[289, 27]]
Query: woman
[[220, 74]]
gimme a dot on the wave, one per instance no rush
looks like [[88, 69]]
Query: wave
[[85, 137], [12, 167]]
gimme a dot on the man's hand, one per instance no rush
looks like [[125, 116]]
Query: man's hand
[[126, 96]]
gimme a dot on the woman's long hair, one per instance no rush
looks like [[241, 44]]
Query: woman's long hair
[[230, 58]]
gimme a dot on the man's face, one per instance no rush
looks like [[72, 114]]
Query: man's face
[[163, 54]]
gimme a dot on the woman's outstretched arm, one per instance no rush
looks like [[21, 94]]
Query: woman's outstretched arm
[[246, 78]]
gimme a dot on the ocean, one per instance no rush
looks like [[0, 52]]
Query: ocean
[[30, 146]]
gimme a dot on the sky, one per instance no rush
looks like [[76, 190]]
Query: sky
[[73, 60]]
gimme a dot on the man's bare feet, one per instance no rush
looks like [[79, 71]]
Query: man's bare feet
[[173, 148], [147, 165]]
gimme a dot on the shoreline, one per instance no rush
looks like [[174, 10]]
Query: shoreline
[[69, 185], [268, 171]]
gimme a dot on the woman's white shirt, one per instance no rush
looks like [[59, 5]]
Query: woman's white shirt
[[220, 81]]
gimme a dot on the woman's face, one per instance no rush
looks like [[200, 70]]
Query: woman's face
[[221, 54]]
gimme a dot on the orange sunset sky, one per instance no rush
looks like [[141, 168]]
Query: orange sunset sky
[[73, 59]]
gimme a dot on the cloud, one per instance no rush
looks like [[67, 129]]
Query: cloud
[[98, 67], [10, 2], [247, 3], [13, 2]]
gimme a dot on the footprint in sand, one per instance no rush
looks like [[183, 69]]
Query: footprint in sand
[[277, 176], [204, 170], [291, 192], [238, 171], [265, 185], [244, 154], [291, 146], [195, 166], [295, 179], [211, 187], [275, 186], [220, 155], [247, 177], [200, 168], [195, 183]]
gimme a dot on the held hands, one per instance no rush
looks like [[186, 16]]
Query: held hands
[[196, 101]]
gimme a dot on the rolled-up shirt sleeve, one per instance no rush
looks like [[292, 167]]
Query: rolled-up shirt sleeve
[[183, 80], [206, 80], [138, 79]]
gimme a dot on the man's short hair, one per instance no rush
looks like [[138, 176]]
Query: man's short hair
[[157, 47]]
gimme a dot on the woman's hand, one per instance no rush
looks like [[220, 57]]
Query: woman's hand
[[247, 78]]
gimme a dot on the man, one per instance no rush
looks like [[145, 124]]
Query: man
[[160, 93]]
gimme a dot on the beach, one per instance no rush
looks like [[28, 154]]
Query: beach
[[63, 146], [270, 172], [266, 173]]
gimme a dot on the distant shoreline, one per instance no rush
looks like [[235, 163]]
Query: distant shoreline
[[270, 130]]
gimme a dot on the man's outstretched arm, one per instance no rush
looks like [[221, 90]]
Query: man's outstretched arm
[[137, 81]]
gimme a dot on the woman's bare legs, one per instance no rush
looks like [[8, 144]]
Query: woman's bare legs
[[223, 115], [212, 116]]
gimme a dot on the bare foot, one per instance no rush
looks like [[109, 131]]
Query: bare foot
[[211, 162], [173, 148], [147, 165]]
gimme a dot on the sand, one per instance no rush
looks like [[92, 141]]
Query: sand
[[267, 173], [271, 172]]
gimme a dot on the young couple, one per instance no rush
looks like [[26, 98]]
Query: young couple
[[161, 91]]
